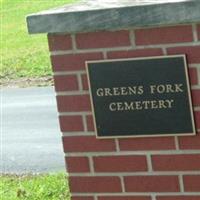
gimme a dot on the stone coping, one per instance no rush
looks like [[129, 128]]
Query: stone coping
[[98, 15]]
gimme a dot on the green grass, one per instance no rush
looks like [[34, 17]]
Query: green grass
[[23, 55], [40, 187]]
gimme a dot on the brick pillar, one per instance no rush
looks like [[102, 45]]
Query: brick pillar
[[150, 168], [124, 169]]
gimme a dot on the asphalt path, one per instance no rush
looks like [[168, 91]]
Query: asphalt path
[[30, 136]]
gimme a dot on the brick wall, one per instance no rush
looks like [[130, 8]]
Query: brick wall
[[166, 168]]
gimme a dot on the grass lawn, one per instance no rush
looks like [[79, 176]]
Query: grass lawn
[[23, 55], [40, 187]]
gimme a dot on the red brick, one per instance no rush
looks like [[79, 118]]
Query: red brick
[[192, 142], [197, 119], [95, 184], [198, 31], [193, 76], [192, 52], [124, 198], [134, 53], [84, 81], [192, 183], [178, 197], [176, 162], [90, 123], [59, 42], [66, 83], [87, 144], [151, 184], [73, 62], [82, 198], [164, 35], [75, 103], [120, 163], [77, 164], [102, 39], [137, 144], [71, 123], [196, 97]]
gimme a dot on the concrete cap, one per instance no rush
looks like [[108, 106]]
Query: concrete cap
[[97, 15]]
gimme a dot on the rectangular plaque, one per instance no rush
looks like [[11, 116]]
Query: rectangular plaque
[[141, 97]]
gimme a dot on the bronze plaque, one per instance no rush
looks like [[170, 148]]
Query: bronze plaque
[[141, 97]]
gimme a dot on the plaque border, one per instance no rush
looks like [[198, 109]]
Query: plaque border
[[142, 135]]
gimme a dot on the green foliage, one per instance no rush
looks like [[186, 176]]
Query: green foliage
[[40, 187], [23, 55]]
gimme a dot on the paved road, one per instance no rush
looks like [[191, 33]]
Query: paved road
[[30, 136]]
